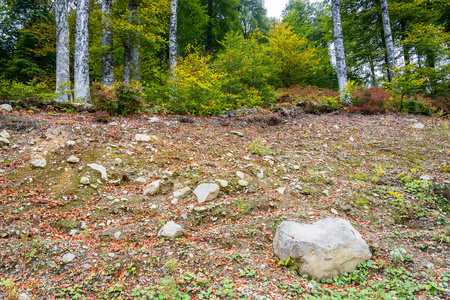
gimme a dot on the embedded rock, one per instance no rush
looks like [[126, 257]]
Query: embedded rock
[[326, 248], [85, 180], [99, 168], [6, 107], [4, 134], [152, 188], [206, 192], [4, 142], [39, 163], [171, 230], [142, 138], [182, 192], [73, 159]]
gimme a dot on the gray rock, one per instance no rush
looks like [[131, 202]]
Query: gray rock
[[200, 208], [418, 126], [426, 177], [73, 232], [206, 192], [39, 162], [73, 159], [117, 235], [238, 133], [6, 107], [398, 254], [240, 174], [171, 230], [182, 192], [326, 248], [23, 296], [4, 142], [68, 257], [99, 168], [84, 180], [260, 175], [71, 143], [223, 183], [152, 188], [4, 134], [142, 138], [243, 182], [141, 180], [153, 119], [113, 124], [281, 190]]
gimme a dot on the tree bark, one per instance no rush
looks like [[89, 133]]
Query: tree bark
[[62, 52], [339, 49], [81, 65], [131, 59], [209, 29], [107, 45], [173, 39], [390, 54]]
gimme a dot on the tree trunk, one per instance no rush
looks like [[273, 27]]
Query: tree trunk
[[406, 49], [81, 65], [107, 45], [341, 67], [173, 40], [390, 54], [131, 59], [372, 70], [62, 52]]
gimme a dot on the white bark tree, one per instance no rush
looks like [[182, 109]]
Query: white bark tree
[[173, 36], [107, 45], [131, 57], [62, 52], [390, 54], [339, 49], [81, 65]]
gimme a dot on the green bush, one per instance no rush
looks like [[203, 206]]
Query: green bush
[[417, 105], [13, 90], [120, 99]]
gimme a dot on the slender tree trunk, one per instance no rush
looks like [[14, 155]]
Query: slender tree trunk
[[390, 54], [372, 70], [62, 52], [341, 66], [406, 49], [107, 45], [81, 66], [173, 39], [131, 59]]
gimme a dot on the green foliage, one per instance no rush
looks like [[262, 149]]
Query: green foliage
[[14, 90], [259, 146], [120, 99], [247, 69]]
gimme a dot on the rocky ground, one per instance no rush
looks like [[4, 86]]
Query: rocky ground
[[83, 204]]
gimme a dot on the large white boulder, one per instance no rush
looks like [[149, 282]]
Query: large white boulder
[[329, 247], [206, 192]]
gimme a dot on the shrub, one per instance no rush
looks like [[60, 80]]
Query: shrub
[[417, 105], [373, 100], [195, 88], [13, 90], [120, 99]]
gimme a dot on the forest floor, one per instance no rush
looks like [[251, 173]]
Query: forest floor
[[60, 239]]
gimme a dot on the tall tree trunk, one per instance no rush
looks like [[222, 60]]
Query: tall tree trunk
[[107, 45], [390, 54], [62, 52], [341, 66], [372, 70], [81, 66], [131, 59], [209, 29], [173, 40]]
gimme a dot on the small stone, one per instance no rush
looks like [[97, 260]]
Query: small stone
[[6, 107], [398, 254], [39, 163], [260, 175], [4, 142], [174, 201], [200, 208], [113, 124], [99, 168], [153, 119], [73, 159], [206, 192], [281, 190], [142, 138], [171, 230], [428, 264], [243, 182], [336, 126], [238, 133], [153, 206], [23, 296], [325, 192], [117, 235], [334, 211], [295, 167], [83, 225], [182, 192], [223, 183], [84, 180], [108, 222], [426, 177], [117, 160], [240, 174], [4, 134], [351, 139], [141, 180], [68, 257], [418, 126], [152, 188], [184, 216], [386, 150], [73, 232], [71, 143]]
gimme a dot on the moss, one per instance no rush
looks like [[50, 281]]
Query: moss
[[66, 225]]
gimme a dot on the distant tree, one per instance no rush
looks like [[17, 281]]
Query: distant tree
[[107, 44], [252, 16]]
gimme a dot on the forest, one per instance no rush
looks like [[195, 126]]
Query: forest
[[204, 57]]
